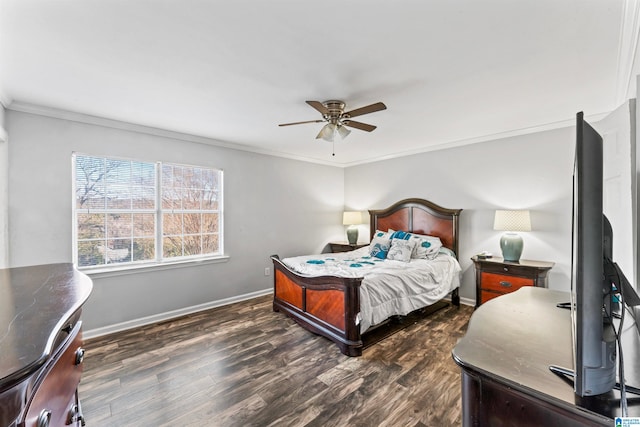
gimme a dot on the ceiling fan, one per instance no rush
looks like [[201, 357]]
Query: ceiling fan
[[333, 113]]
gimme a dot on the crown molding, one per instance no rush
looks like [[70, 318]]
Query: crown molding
[[5, 100], [485, 138], [4, 136], [57, 113], [132, 127]]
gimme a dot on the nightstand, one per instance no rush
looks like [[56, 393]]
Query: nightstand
[[495, 276], [345, 246]]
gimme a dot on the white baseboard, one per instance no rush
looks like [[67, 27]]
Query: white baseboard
[[468, 301], [463, 301], [161, 317]]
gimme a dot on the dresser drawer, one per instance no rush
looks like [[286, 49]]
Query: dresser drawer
[[55, 399], [502, 283]]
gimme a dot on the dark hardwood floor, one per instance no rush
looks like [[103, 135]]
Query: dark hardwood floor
[[245, 365]]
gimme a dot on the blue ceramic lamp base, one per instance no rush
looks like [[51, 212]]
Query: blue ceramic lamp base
[[352, 235], [511, 245]]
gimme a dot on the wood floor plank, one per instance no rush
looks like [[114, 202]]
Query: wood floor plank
[[245, 365]]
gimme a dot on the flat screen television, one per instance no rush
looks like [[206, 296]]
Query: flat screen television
[[597, 282], [594, 340], [593, 335]]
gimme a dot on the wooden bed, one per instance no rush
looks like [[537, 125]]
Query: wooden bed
[[328, 305]]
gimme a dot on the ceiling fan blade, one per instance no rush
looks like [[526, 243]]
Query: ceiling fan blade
[[299, 123], [366, 110], [358, 125], [318, 106]]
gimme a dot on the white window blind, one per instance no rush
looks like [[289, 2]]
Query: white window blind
[[129, 211]]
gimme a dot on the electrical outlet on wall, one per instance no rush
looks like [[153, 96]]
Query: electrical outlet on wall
[[267, 271]]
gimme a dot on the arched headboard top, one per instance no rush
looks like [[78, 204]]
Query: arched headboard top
[[418, 216]]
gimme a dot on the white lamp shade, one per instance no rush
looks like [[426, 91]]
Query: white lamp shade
[[343, 131], [351, 218], [327, 132], [512, 220]]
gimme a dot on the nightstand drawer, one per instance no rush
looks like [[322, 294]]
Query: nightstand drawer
[[487, 295], [503, 283]]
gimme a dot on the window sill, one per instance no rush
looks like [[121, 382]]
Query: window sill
[[144, 268]]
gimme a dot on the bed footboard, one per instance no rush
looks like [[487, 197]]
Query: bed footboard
[[326, 305]]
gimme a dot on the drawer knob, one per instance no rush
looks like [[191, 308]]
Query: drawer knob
[[44, 418], [79, 356], [505, 284]]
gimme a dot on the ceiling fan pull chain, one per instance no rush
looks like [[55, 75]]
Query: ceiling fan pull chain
[[333, 148]]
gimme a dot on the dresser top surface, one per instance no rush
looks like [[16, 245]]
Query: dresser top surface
[[35, 303], [522, 263]]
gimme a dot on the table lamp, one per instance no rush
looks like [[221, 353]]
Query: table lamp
[[511, 243], [351, 219]]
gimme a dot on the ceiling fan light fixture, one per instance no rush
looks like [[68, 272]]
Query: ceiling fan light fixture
[[327, 132], [343, 131]]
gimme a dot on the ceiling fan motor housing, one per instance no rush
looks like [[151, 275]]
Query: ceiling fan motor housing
[[336, 110]]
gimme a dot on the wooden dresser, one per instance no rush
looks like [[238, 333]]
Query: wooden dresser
[[41, 350], [495, 276], [505, 357]]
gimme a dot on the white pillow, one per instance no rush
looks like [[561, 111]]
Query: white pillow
[[447, 252], [401, 250], [427, 247]]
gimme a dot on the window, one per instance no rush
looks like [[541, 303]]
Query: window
[[129, 211]]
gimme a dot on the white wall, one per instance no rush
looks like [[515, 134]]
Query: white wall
[[618, 170], [272, 205], [525, 172], [4, 191], [275, 205]]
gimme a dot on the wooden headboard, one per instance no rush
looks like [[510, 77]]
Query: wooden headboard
[[421, 217]]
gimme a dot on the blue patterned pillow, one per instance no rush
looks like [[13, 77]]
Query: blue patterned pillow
[[401, 235], [380, 244]]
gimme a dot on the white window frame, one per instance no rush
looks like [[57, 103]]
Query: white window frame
[[158, 211]]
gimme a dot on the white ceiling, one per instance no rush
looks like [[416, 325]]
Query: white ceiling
[[450, 72]]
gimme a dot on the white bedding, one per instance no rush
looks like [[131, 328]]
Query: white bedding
[[388, 287]]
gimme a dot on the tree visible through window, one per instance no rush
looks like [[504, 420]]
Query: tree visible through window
[[129, 211], [190, 211]]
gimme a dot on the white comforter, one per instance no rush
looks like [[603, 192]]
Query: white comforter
[[388, 287]]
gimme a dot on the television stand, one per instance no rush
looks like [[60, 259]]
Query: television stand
[[569, 374], [505, 356]]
